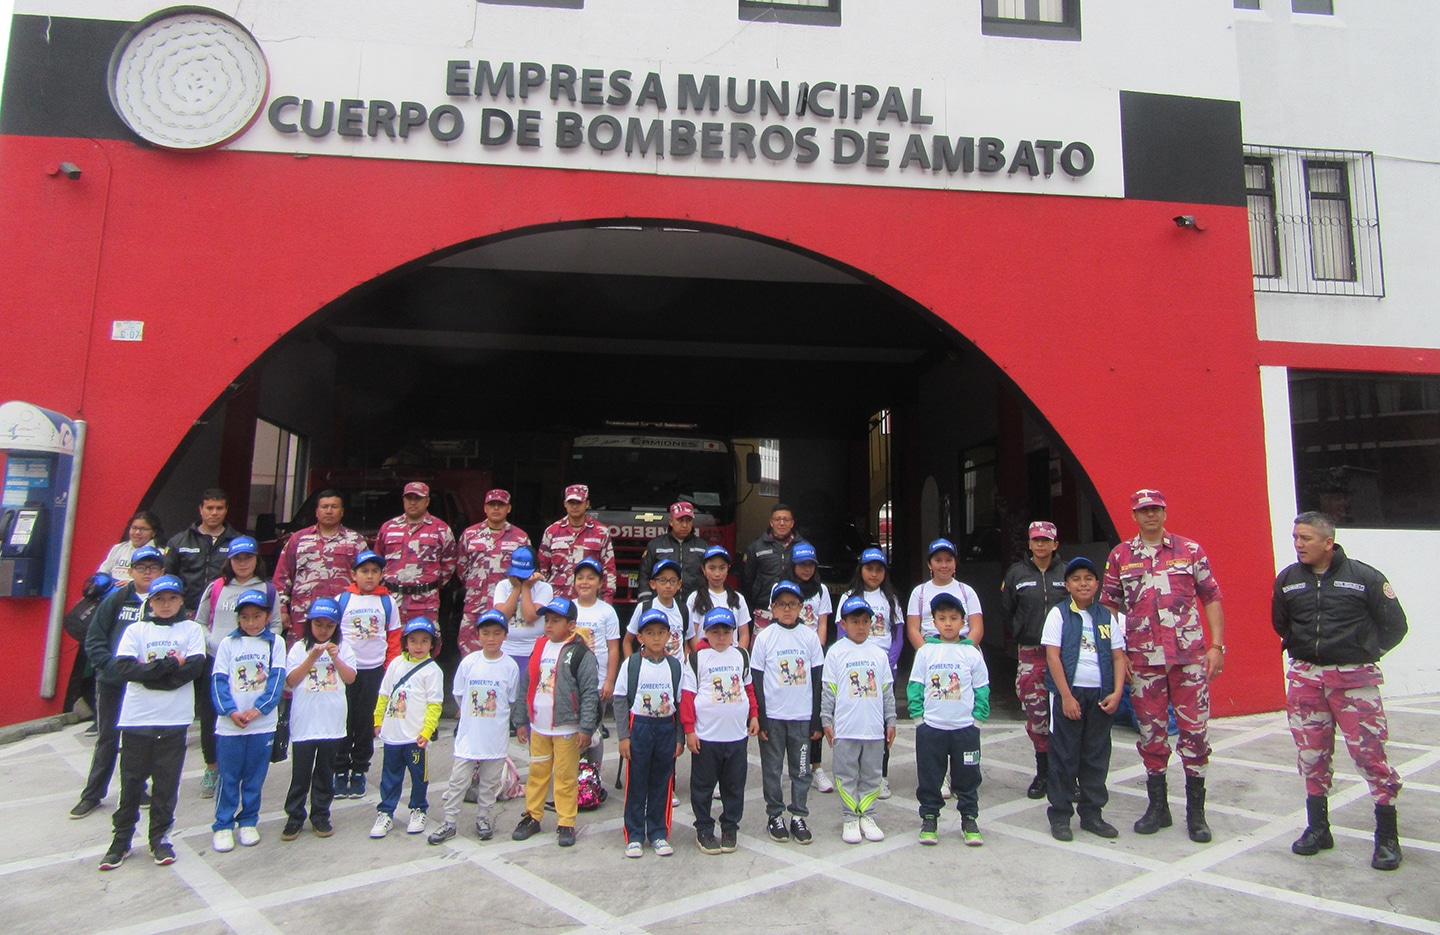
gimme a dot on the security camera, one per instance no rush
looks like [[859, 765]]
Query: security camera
[[1185, 220], [70, 170]]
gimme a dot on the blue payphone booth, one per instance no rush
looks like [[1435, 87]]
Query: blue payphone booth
[[39, 450]]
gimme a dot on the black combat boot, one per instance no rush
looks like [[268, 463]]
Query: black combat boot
[[1387, 839], [1157, 816], [1041, 783], [1317, 830], [1195, 809]]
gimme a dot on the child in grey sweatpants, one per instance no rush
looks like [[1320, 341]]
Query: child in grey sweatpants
[[857, 711]]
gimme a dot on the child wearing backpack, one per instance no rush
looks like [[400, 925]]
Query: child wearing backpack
[[857, 709], [665, 584], [487, 685], [718, 593], [872, 582], [370, 626], [718, 711], [319, 668], [647, 723], [788, 663], [406, 714], [600, 625]]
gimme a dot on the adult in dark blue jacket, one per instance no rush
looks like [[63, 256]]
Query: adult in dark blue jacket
[[198, 555]]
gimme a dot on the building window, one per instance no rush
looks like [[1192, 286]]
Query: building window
[[769, 467], [1247, 4], [1314, 221], [1031, 19], [1325, 7], [564, 4], [1264, 233], [277, 473], [801, 12], [1367, 447]]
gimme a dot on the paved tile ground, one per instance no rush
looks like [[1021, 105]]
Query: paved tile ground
[[1021, 881]]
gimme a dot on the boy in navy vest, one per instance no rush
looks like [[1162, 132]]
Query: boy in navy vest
[[1085, 658]]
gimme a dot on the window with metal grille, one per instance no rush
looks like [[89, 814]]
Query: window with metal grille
[[802, 12], [1031, 19], [1314, 221]]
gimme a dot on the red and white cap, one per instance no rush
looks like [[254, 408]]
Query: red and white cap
[[577, 492], [497, 496], [1144, 497], [681, 508], [416, 488], [1040, 529]]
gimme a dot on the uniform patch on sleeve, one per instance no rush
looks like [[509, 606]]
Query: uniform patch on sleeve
[[1389, 591]]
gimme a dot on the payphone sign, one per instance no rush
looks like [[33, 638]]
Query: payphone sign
[[27, 479]]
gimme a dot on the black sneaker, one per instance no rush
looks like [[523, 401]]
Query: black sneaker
[[1060, 830], [164, 855], [727, 841], [292, 830], [778, 830], [799, 831], [321, 826], [114, 857], [527, 828], [83, 808], [1099, 826], [706, 842], [565, 835]]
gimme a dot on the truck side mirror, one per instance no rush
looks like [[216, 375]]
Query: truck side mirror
[[752, 468]]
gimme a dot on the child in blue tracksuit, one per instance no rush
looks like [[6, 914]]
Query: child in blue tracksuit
[[647, 722], [249, 677]]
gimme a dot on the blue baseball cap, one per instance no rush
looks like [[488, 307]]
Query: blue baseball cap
[[719, 617], [562, 606], [941, 545], [324, 607], [874, 555], [663, 564], [717, 551], [253, 598], [422, 625], [654, 616], [243, 545], [368, 556], [946, 599], [492, 618], [803, 552], [589, 563], [147, 553], [165, 583], [785, 587], [855, 604], [1075, 564], [522, 563]]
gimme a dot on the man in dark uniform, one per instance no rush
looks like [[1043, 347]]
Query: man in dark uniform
[[1337, 617], [682, 546], [764, 563]]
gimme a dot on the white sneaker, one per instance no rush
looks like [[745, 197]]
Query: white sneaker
[[249, 836], [884, 788], [382, 826], [821, 782], [674, 800], [223, 841], [634, 849], [945, 792], [871, 830], [417, 822], [850, 834], [663, 848]]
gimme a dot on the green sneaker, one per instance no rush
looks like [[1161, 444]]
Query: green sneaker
[[971, 832], [208, 783], [929, 830]]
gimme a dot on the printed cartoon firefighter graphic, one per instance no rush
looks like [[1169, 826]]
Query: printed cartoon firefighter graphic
[[483, 704], [396, 707], [721, 693], [863, 686], [364, 626], [172, 653], [322, 677], [250, 678], [950, 690], [792, 670], [651, 708]]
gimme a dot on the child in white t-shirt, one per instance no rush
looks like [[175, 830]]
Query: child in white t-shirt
[[665, 584], [487, 686], [787, 667], [598, 623], [647, 721], [871, 581], [857, 711], [246, 687], [370, 626], [919, 625], [521, 596], [406, 715], [320, 666], [718, 593], [717, 709]]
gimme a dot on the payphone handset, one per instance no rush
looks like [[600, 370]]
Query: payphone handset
[[22, 533]]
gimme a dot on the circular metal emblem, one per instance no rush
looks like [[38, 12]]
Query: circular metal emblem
[[189, 80]]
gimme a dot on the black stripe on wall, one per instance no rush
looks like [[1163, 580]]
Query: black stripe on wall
[[1185, 149], [57, 80]]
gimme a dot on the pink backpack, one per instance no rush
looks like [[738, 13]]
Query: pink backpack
[[591, 792]]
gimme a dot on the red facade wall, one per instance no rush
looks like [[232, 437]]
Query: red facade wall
[[1134, 338]]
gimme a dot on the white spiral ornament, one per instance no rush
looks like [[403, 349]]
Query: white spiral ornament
[[189, 80]]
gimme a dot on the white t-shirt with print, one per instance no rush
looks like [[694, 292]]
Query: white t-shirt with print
[[318, 709], [815, 607], [1087, 666], [365, 626], [788, 657], [741, 610], [543, 721], [654, 690], [950, 673], [486, 689], [722, 707], [523, 633], [603, 625], [147, 641], [405, 711], [881, 626], [924, 593], [249, 661], [675, 646], [859, 674]]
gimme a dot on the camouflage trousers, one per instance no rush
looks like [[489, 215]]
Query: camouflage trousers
[[1319, 698], [1034, 698], [1154, 690]]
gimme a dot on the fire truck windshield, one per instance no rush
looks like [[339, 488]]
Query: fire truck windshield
[[631, 473]]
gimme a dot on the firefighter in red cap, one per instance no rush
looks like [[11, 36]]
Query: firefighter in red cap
[[484, 554], [574, 536], [419, 553]]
